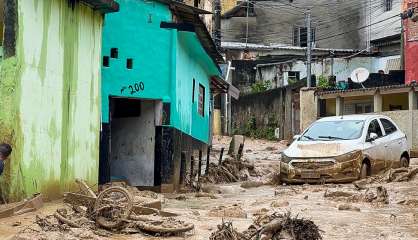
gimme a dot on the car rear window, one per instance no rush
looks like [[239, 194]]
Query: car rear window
[[388, 126]]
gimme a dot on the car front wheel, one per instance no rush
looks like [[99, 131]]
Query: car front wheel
[[404, 162]]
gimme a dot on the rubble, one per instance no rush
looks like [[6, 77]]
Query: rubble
[[251, 184], [372, 195], [229, 171], [348, 207], [236, 142], [279, 204], [275, 226], [234, 211], [112, 211], [27, 205]]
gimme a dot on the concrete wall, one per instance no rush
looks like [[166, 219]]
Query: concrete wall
[[308, 108], [247, 73], [407, 121], [50, 99], [261, 113], [165, 63], [133, 143], [274, 23], [411, 43]]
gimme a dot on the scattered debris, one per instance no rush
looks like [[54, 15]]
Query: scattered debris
[[227, 232], [203, 194], [275, 226], [348, 207], [233, 211], [113, 210], [251, 184], [279, 204], [28, 205], [401, 174], [234, 145], [229, 171], [181, 197], [270, 148], [372, 195]]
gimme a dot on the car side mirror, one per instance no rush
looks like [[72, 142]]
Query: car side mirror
[[296, 137], [373, 136]]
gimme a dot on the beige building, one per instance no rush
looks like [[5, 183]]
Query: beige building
[[398, 102]]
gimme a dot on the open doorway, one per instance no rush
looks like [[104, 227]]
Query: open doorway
[[132, 140]]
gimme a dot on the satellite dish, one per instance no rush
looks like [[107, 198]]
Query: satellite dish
[[360, 75]]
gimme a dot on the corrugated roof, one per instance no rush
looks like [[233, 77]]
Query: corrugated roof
[[321, 92], [190, 14], [241, 45]]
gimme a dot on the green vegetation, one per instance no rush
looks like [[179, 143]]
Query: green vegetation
[[250, 128], [323, 82], [260, 87]]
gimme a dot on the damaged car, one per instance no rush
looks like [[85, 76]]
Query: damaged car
[[344, 149]]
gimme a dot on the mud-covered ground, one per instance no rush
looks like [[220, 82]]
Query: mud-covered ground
[[397, 219]]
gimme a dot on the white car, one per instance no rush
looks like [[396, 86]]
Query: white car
[[344, 149]]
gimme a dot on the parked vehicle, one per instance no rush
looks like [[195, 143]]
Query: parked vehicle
[[344, 149]]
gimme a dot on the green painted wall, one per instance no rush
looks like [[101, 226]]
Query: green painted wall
[[165, 62], [192, 63], [50, 99], [135, 31]]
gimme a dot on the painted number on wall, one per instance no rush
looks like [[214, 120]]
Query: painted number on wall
[[137, 87]]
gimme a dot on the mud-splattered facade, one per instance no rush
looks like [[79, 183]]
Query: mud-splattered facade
[[411, 40], [50, 94], [159, 66]]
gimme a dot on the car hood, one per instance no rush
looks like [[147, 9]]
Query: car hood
[[319, 149]]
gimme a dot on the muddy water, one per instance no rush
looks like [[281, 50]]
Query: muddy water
[[373, 221]]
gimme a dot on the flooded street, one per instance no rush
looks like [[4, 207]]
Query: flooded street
[[339, 210]]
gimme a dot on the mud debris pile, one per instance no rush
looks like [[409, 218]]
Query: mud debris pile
[[229, 171], [371, 195], [113, 210], [270, 226]]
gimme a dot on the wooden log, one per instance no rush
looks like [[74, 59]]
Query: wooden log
[[85, 188], [191, 168], [240, 149], [220, 156], [199, 165], [207, 160]]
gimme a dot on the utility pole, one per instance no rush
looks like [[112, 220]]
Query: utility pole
[[217, 24], [308, 48], [246, 32]]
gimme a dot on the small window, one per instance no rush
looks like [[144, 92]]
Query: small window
[[201, 100], [129, 63], [300, 36], [193, 89], [114, 53], [374, 127], [388, 126], [293, 76], [106, 61], [388, 4], [363, 108]]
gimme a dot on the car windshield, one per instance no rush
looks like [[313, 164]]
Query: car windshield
[[333, 130]]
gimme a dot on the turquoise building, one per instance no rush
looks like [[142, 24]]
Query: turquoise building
[[159, 73]]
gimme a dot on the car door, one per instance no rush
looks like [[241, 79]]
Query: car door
[[375, 150], [394, 140]]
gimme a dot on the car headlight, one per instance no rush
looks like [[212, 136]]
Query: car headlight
[[285, 158], [348, 156]]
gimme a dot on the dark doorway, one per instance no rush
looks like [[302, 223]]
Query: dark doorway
[[132, 140]]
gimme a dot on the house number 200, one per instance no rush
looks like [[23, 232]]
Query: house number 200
[[136, 87]]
